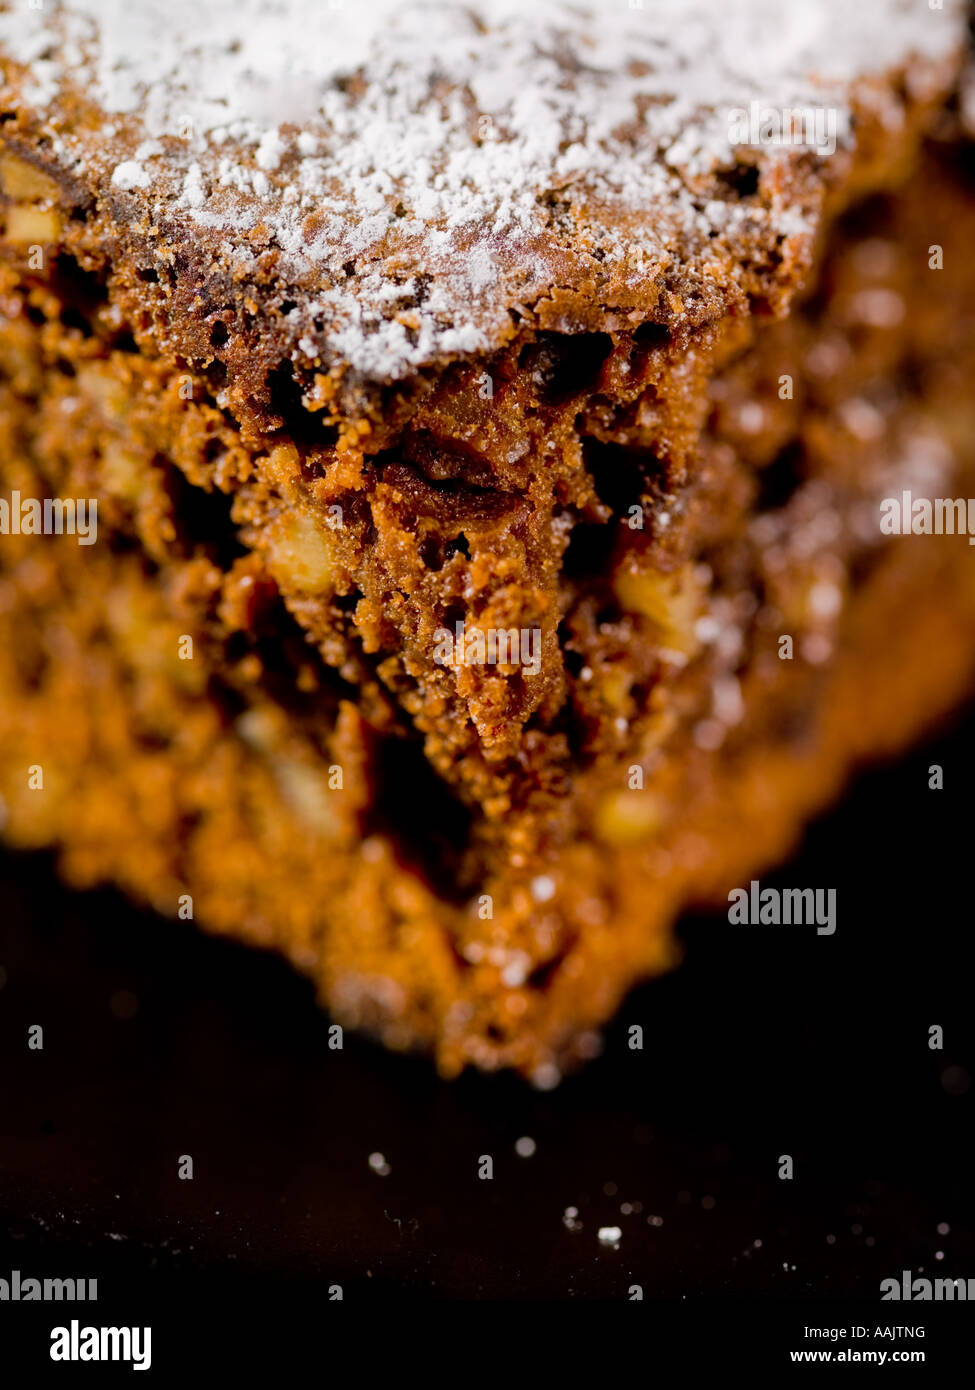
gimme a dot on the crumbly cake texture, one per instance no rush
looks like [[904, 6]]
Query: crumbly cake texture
[[363, 322]]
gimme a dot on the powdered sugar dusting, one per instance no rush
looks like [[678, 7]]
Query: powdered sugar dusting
[[448, 154], [130, 174]]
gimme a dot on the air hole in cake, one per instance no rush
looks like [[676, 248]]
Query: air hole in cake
[[652, 335], [646, 347], [82, 292], [574, 661], [457, 956], [912, 376], [228, 701], [153, 740], [202, 518], [148, 275], [435, 552], [780, 479], [216, 375], [285, 402], [124, 543], [864, 564], [32, 663], [237, 646], [960, 160], [563, 365], [431, 553], [219, 334], [347, 603], [428, 827], [607, 616], [543, 975], [620, 476], [640, 694], [589, 550], [743, 179], [284, 651], [72, 318]]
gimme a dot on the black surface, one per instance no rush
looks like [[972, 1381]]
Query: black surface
[[768, 1041]]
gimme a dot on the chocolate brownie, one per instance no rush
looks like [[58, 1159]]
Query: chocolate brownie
[[489, 414]]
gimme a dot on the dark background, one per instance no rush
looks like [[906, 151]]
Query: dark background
[[160, 1041]]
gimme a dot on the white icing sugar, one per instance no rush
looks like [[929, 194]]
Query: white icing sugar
[[425, 137], [130, 174]]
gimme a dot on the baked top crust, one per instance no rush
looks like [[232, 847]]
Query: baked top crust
[[388, 185]]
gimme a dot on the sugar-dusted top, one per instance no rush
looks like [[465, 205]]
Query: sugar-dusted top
[[420, 166]]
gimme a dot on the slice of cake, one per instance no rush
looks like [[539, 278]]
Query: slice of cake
[[450, 465]]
